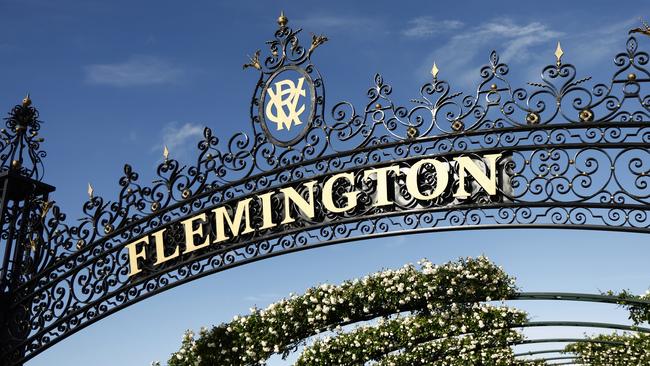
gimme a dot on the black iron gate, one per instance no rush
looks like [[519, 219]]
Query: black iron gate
[[571, 154]]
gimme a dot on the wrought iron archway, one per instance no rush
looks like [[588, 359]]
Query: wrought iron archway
[[577, 157]]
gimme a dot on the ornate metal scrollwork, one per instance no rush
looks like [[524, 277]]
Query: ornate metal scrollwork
[[578, 158]]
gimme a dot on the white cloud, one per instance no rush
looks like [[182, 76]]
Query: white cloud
[[598, 44], [136, 71], [427, 26], [457, 59], [179, 139]]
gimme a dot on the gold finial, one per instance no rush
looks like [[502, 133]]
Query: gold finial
[[27, 101], [91, 191], [254, 61], [166, 153], [282, 20], [559, 53], [47, 205], [434, 71]]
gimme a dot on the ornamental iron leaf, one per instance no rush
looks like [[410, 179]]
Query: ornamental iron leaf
[[577, 154]]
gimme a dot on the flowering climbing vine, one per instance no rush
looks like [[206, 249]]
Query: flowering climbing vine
[[484, 323], [614, 350], [285, 325], [638, 314], [416, 315]]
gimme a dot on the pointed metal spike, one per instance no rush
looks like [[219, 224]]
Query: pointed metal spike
[[434, 71], [27, 101], [165, 152], [282, 20], [91, 191], [559, 52]]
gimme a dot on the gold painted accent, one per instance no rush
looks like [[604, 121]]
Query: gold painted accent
[[134, 254], [254, 61], [282, 20], [286, 94], [108, 229], [493, 86], [91, 191], [532, 118], [267, 209], [222, 218], [442, 179], [191, 233], [644, 29], [412, 132], [165, 152], [161, 257], [328, 194], [458, 125], [80, 243], [32, 245], [155, 206], [306, 206], [631, 76], [46, 206], [467, 166], [435, 71], [186, 193], [16, 164], [377, 106], [381, 176], [235, 219], [316, 41], [27, 101], [586, 115], [558, 53]]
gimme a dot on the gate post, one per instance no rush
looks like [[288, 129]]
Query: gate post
[[23, 206]]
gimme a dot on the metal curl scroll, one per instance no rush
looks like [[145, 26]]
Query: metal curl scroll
[[576, 153]]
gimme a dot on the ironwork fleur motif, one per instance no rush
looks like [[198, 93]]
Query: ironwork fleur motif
[[569, 143], [20, 143]]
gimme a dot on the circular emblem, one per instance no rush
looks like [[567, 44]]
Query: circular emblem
[[287, 107]]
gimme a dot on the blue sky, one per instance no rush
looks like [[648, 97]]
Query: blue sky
[[115, 81]]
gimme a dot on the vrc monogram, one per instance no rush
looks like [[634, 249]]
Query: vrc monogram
[[286, 94]]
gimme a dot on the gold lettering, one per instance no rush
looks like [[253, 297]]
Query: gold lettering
[[267, 210], [221, 217], [191, 232], [160, 248], [442, 178], [328, 199], [306, 206], [382, 183], [466, 164], [134, 254]]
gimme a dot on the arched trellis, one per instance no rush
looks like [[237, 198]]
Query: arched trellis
[[573, 157]]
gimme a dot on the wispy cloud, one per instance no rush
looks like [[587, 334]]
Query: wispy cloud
[[427, 26], [526, 47], [350, 24], [136, 71], [593, 46], [179, 138], [457, 58]]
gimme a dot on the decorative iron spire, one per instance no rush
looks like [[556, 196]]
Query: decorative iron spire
[[282, 20], [19, 142], [559, 53], [434, 71]]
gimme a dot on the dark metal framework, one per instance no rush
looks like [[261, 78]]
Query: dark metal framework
[[578, 153]]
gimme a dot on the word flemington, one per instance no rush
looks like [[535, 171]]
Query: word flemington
[[238, 217]]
